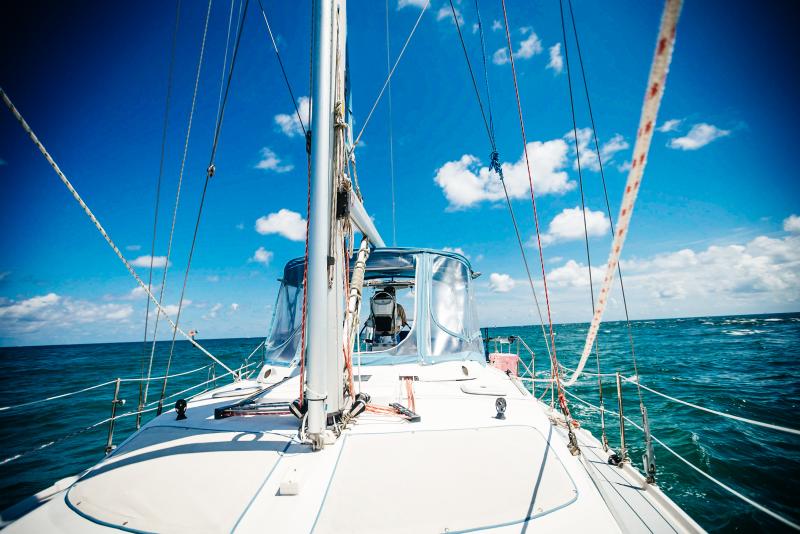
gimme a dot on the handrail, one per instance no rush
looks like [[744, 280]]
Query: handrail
[[739, 418], [116, 417], [90, 388], [721, 484], [722, 414]]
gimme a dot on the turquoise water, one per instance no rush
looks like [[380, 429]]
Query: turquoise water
[[746, 365]]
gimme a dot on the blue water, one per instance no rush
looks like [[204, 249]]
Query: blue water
[[746, 365]]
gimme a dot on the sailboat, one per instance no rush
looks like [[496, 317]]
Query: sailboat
[[378, 406]]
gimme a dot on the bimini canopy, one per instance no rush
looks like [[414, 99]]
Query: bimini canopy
[[444, 323]]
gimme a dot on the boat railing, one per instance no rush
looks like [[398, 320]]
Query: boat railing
[[245, 370], [529, 377]]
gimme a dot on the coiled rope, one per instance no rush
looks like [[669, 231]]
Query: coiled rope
[[652, 101], [97, 224]]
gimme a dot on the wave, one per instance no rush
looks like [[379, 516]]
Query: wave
[[743, 332]]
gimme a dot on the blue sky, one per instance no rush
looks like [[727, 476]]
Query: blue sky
[[715, 229]]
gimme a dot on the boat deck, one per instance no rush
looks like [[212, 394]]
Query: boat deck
[[459, 469]]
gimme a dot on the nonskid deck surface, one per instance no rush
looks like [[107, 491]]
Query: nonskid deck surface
[[458, 469]]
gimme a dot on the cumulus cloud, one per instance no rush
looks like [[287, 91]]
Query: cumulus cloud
[[287, 223], [496, 25], [556, 61], [289, 124], [699, 136], [445, 13], [262, 255], [457, 250], [271, 162], [568, 225], [501, 283], [415, 3], [133, 248], [144, 261], [791, 224], [55, 311], [213, 312], [234, 307], [670, 125], [574, 274], [588, 151], [763, 265], [466, 182], [526, 49]]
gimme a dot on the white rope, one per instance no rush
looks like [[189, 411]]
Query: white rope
[[721, 484], [97, 224], [389, 77], [771, 426], [647, 122], [90, 388], [177, 202]]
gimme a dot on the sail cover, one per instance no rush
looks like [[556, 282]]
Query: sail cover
[[445, 322]]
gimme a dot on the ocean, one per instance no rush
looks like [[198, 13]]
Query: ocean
[[743, 365]]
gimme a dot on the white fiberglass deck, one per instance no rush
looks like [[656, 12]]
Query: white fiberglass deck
[[459, 469]]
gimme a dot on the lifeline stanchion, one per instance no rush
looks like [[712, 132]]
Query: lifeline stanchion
[[623, 450], [114, 403]]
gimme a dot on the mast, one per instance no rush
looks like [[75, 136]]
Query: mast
[[329, 223], [317, 348]]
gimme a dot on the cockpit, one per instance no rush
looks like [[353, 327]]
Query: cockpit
[[417, 306]]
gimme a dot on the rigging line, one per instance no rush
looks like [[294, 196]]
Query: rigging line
[[583, 210], [554, 354], [283, 70], [391, 133], [489, 131], [209, 174], [495, 165], [389, 77], [654, 92], [485, 70], [605, 192], [721, 484], [225, 57], [158, 201], [308, 214], [96, 223], [178, 195]]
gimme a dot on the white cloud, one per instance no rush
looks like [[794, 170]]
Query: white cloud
[[475, 28], [574, 274], [262, 256], [625, 166], [699, 136], [496, 25], [234, 307], [52, 311], [500, 56], [670, 126], [213, 312], [568, 225], [465, 182], [790, 224], [527, 48], [133, 248], [588, 151], [445, 13], [556, 61], [287, 223], [144, 261], [289, 123], [415, 3], [213, 278], [501, 283], [457, 250], [530, 46], [271, 162], [240, 226]]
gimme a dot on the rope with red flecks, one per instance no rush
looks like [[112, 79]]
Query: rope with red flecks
[[652, 101]]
